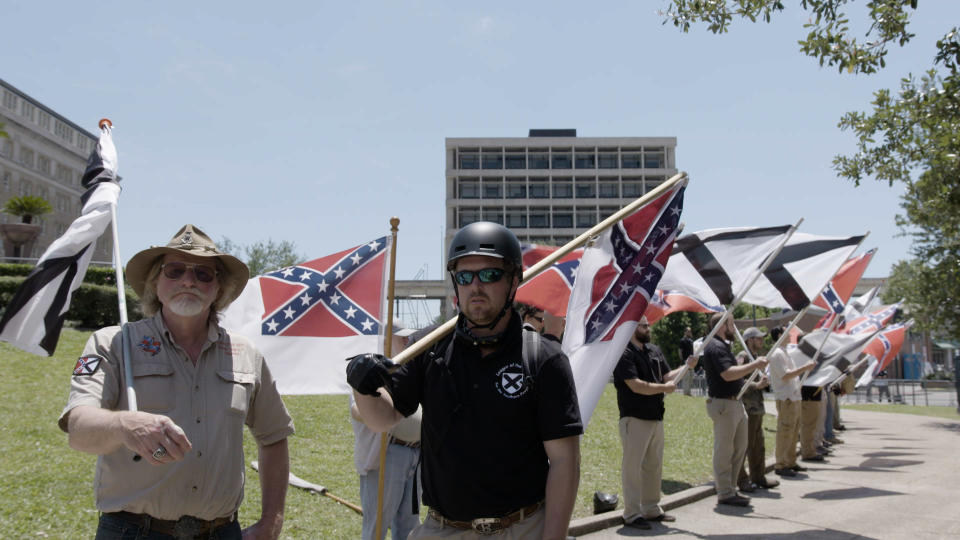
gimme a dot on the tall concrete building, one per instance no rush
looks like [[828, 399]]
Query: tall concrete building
[[552, 185], [45, 156]]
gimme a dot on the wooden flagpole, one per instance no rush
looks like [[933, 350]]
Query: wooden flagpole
[[387, 351], [736, 301], [421, 346]]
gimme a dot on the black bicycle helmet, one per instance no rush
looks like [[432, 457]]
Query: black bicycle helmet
[[489, 239]]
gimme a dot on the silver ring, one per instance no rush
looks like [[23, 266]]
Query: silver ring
[[159, 453]]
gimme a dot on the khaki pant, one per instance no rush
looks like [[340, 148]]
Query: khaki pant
[[642, 467], [530, 528], [809, 411], [788, 432], [729, 443], [755, 451]]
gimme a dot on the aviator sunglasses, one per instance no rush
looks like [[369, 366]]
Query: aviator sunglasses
[[487, 275], [175, 271]]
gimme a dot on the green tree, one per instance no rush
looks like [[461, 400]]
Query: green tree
[[27, 207], [911, 137], [262, 257], [668, 331]]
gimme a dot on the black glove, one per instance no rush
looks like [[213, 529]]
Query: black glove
[[368, 372]]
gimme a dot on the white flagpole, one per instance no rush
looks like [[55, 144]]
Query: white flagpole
[[421, 345], [106, 124], [736, 301]]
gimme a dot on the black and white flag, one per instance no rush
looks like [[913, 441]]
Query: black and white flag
[[836, 355], [801, 270], [34, 317], [716, 265]]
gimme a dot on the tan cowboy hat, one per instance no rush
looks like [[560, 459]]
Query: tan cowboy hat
[[192, 241]]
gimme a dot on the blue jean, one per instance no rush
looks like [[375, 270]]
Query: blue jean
[[398, 496], [114, 528], [828, 421]]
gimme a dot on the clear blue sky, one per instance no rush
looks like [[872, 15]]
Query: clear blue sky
[[316, 121]]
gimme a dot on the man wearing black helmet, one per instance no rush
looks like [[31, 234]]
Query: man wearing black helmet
[[500, 434]]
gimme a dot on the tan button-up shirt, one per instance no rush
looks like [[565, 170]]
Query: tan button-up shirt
[[230, 386]]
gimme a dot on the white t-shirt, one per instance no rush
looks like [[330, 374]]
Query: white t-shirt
[[779, 364]]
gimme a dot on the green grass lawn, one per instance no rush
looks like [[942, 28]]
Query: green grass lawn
[[48, 488], [937, 411]]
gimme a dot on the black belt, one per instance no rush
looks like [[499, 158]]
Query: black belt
[[401, 442], [185, 527]]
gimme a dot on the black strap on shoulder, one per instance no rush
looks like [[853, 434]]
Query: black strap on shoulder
[[531, 356]]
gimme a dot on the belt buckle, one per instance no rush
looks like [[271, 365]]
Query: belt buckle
[[487, 526], [189, 526]]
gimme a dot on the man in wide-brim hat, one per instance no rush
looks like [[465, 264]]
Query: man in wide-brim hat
[[174, 466]]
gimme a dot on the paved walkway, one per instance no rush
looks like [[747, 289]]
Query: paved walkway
[[896, 476]]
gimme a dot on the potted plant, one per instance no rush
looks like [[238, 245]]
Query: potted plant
[[27, 207]]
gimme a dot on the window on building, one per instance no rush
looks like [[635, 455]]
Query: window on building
[[492, 158], [468, 159], [631, 160], [653, 158], [654, 181], [9, 100], [517, 218], [562, 188], [494, 214], [43, 164], [492, 187], [563, 217], [607, 211], [539, 189], [608, 188], [632, 187], [585, 160], [516, 188], [586, 216], [539, 217], [468, 188], [26, 157], [538, 159], [6, 148], [586, 188], [561, 159], [516, 159], [7, 180], [467, 215], [608, 158], [562, 239], [25, 187], [63, 174]]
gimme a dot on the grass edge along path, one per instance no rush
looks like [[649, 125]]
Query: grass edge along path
[[48, 487]]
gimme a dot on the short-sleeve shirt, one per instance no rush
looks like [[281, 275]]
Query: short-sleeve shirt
[[646, 364], [484, 424], [230, 386], [717, 358], [780, 364]]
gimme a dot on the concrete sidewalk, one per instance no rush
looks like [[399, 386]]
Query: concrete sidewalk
[[896, 476]]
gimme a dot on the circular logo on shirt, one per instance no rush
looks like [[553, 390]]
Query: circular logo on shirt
[[510, 381]]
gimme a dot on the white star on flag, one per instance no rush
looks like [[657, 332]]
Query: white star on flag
[[356, 259], [288, 313], [351, 312], [339, 272]]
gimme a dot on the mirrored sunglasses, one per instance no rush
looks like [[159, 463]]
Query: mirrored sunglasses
[[487, 275], [175, 271]]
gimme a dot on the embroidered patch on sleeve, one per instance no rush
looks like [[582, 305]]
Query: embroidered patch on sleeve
[[87, 365]]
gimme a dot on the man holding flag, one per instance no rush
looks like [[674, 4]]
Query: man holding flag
[[724, 380], [501, 425], [175, 466]]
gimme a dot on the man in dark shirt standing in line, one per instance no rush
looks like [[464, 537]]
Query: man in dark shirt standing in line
[[641, 378], [725, 410]]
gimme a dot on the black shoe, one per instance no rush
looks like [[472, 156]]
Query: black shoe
[[767, 484], [817, 457], [638, 523], [747, 487], [663, 517], [798, 468], [735, 500], [784, 472], [841, 428]]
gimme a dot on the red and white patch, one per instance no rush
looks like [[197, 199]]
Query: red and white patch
[[87, 365]]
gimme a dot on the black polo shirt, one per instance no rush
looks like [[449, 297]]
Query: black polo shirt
[[647, 364], [717, 357], [483, 425]]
